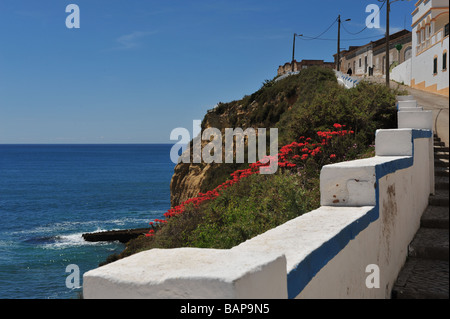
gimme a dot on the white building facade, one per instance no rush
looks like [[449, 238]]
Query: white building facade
[[430, 25]]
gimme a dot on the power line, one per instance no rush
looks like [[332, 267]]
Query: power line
[[317, 37], [308, 38], [329, 39]]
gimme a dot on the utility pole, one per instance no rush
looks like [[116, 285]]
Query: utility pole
[[388, 64], [293, 51], [338, 61], [388, 11], [293, 54]]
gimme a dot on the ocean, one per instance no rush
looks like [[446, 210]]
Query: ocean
[[51, 194]]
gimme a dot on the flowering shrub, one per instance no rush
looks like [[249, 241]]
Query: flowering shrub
[[295, 157]]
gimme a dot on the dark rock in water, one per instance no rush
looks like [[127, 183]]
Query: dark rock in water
[[116, 235]]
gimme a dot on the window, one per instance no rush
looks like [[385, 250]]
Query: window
[[444, 61], [435, 66], [446, 30], [359, 62]]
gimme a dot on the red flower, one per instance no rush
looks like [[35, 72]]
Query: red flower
[[286, 153]]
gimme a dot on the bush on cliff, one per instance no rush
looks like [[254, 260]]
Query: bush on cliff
[[301, 105]]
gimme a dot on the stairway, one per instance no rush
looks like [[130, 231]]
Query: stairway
[[425, 274]]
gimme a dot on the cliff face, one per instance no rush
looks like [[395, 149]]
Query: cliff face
[[186, 182], [269, 107], [260, 110], [191, 178]]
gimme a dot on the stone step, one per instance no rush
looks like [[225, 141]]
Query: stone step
[[441, 149], [435, 217], [441, 162], [441, 171], [441, 182], [430, 243], [442, 185], [441, 155], [440, 198], [422, 279], [436, 143]]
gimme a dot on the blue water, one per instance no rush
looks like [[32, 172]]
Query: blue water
[[51, 194]]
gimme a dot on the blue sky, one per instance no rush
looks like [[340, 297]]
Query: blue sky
[[137, 69]]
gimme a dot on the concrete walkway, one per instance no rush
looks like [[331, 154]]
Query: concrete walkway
[[429, 101], [439, 105], [425, 274]]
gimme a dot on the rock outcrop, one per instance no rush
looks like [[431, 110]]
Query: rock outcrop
[[115, 235]]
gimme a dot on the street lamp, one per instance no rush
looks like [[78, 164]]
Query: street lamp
[[293, 51], [388, 10], [338, 62]]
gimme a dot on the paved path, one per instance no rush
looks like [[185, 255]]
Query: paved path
[[425, 274], [439, 105], [429, 101]]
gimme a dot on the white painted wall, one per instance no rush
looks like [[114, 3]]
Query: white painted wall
[[346, 80], [403, 197], [321, 254], [189, 273], [423, 66], [402, 72]]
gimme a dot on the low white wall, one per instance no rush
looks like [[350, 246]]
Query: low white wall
[[400, 199], [346, 80], [402, 72], [370, 212], [189, 273]]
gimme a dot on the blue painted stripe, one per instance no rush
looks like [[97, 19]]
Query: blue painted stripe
[[298, 278]]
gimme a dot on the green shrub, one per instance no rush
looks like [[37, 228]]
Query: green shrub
[[253, 206], [298, 106]]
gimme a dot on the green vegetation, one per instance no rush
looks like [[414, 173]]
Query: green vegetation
[[300, 105]]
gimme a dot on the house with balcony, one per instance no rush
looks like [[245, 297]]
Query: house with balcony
[[429, 64]]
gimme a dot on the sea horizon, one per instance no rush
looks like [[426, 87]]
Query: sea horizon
[[112, 143], [50, 194]]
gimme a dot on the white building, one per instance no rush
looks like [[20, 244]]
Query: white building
[[370, 59], [429, 64]]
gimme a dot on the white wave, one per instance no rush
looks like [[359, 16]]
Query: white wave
[[87, 226], [70, 240]]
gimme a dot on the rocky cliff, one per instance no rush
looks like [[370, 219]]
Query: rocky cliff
[[299, 105], [262, 109], [191, 178]]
